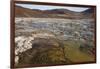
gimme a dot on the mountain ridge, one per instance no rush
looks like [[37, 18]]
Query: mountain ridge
[[51, 13]]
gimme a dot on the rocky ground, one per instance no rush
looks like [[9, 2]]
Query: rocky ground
[[53, 41]]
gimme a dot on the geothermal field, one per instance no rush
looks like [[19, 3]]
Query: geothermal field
[[56, 36], [53, 41]]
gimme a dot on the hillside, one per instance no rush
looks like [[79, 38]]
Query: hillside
[[53, 13], [90, 13]]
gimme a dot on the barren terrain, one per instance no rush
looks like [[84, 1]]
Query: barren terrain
[[53, 40]]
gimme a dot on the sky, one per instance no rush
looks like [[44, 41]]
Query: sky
[[48, 7]]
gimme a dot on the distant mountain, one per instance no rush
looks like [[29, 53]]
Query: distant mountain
[[25, 12], [53, 13], [60, 11], [90, 13], [91, 10]]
